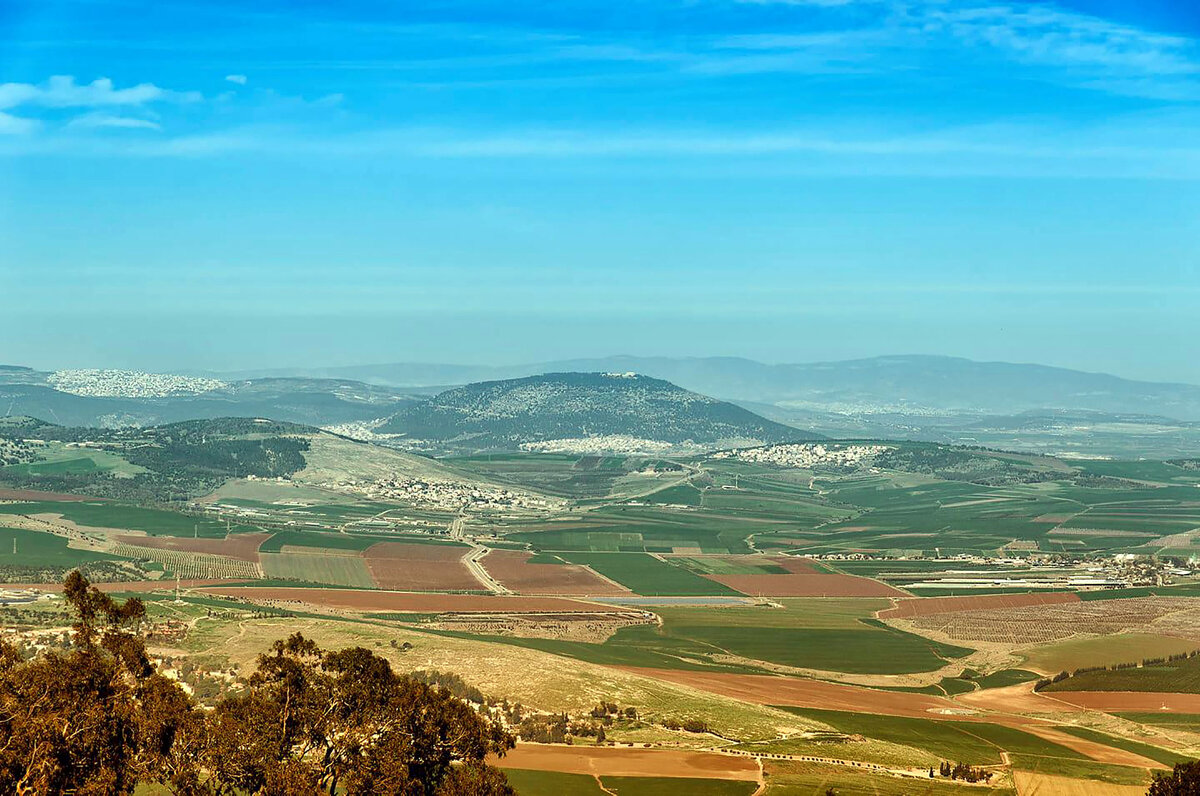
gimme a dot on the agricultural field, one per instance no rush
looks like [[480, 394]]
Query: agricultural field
[[34, 550], [113, 515], [545, 573], [574, 476], [1079, 653], [773, 608], [1176, 616], [810, 634], [1181, 677], [317, 565], [946, 740], [190, 564], [646, 574], [408, 566], [797, 778], [65, 459]]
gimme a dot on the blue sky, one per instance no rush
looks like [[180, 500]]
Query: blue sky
[[228, 185]]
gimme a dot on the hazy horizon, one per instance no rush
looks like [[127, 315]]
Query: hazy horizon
[[212, 187], [319, 367]]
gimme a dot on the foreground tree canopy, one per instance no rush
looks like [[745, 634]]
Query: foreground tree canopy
[[1184, 780], [98, 719]]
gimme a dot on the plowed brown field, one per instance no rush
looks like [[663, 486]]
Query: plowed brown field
[[1020, 698], [358, 600], [626, 762], [765, 689], [1096, 751], [929, 606], [807, 585], [512, 568], [242, 546], [420, 567]]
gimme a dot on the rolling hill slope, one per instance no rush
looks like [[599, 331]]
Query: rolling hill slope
[[504, 414]]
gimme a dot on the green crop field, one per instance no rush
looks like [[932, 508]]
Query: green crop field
[[339, 570], [943, 739], [645, 574], [867, 649], [1005, 677], [1181, 677], [814, 779], [1074, 654], [22, 548], [1164, 756], [641, 645], [1184, 590], [58, 458], [1188, 722], [156, 522], [829, 635], [335, 541], [797, 612], [680, 494], [552, 783], [740, 565], [675, 786]]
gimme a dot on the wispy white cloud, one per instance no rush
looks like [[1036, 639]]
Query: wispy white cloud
[[61, 91], [96, 121], [1064, 46], [241, 80], [1043, 34], [1142, 146], [15, 125]]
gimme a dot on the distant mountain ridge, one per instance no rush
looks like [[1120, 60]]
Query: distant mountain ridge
[[909, 384], [315, 402], [554, 406]]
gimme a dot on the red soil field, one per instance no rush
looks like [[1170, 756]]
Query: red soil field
[[356, 600], [764, 689], [626, 762], [807, 585], [1019, 698], [929, 606], [512, 569], [242, 546], [420, 567], [49, 497], [795, 565]]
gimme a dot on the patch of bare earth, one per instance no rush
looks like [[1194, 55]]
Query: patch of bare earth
[[929, 606], [420, 567], [806, 693], [1031, 784], [1171, 616], [242, 546], [512, 568], [403, 602]]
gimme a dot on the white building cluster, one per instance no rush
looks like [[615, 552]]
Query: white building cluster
[[807, 455], [130, 383], [601, 444], [449, 495]]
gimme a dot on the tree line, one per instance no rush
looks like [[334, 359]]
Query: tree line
[[98, 718]]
